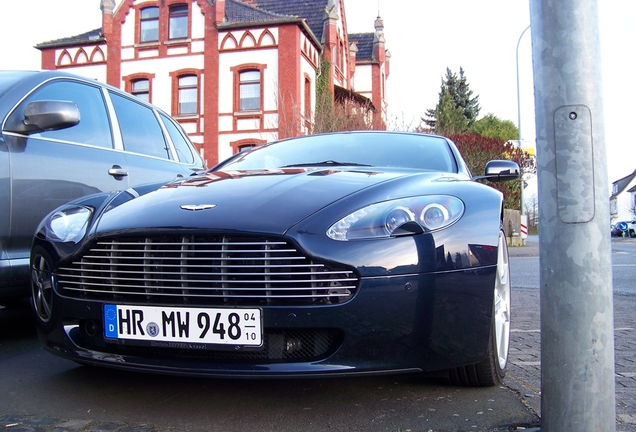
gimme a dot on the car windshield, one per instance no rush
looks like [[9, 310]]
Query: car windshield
[[378, 149]]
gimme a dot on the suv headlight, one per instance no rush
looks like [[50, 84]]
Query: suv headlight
[[399, 217], [68, 224]]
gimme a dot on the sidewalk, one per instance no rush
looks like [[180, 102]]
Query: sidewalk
[[531, 248], [524, 364]]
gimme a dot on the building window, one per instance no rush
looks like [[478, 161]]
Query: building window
[[246, 147], [187, 95], [245, 144], [250, 91], [307, 107], [178, 25], [149, 25], [141, 89]]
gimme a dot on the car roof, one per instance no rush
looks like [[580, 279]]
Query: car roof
[[10, 78], [31, 79]]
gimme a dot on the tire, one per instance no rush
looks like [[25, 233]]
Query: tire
[[632, 233], [492, 370], [41, 285]]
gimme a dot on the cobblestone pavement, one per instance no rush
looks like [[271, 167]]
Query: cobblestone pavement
[[524, 366]]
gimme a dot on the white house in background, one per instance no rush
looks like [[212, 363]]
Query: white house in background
[[234, 73], [623, 199]]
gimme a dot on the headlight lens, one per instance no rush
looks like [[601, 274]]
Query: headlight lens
[[69, 224], [431, 213], [434, 216]]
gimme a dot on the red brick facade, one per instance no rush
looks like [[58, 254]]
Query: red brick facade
[[224, 38]]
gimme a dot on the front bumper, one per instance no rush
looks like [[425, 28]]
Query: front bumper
[[418, 322]]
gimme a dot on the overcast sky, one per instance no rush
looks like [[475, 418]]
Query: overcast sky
[[424, 38]]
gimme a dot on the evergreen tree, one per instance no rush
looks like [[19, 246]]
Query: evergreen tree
[[450, 118], [461, 96]]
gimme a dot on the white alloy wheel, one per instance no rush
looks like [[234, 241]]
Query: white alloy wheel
[[502, 303]]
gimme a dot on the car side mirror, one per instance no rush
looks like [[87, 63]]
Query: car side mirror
[[500, 171], [42, 116]]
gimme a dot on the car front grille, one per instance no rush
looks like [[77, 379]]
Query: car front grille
[[204, 270]]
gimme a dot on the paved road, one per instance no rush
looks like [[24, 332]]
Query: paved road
[[41, 392], [66, 397]]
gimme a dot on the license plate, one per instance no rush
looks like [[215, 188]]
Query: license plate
[[192, 325]]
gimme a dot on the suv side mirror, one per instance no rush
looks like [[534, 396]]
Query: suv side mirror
[[500, 171], [41, 116]]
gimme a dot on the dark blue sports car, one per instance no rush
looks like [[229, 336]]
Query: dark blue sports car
[[335, 254]]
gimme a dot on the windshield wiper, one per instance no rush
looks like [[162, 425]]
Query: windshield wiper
[[325, 163]]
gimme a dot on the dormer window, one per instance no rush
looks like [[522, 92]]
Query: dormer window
[[149, 25], [178, 22]]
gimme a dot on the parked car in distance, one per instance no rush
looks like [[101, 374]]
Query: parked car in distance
[[62, 137], [624, 229], [335, 254]]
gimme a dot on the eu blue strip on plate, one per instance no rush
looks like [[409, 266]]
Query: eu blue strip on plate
[[110, 321]]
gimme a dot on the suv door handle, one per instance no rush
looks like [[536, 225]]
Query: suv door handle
[[117, 171]]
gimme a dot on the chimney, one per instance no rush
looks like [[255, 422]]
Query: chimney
[[107, 7], [353, 52], [219, 9]]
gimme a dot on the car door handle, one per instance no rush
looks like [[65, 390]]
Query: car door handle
[[117, 171]]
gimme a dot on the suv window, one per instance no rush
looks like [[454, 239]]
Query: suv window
[[140, 129], [93, 128], [184, 150]]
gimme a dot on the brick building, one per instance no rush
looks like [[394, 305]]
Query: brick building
[[234, 73]]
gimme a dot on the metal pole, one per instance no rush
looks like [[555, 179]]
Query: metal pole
[[519, 120], [577, 335], [519, 95]]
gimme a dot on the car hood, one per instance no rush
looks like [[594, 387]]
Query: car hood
[[266, 201]]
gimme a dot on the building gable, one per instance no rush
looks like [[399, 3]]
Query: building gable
[[623, 199], [619, 185], [205, 70]]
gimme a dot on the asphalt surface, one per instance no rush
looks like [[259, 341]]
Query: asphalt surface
[[523, 377]]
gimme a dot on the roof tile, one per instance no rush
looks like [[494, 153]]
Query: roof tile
[[364, 43], [90, 37]]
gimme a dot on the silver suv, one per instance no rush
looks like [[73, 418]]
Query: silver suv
[[62, 137]]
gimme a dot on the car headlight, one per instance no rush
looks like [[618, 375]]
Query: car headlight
[[68, 224], [398, 217]]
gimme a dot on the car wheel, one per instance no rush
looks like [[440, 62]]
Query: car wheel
[[491, 370], [632, 233], [41, 285]]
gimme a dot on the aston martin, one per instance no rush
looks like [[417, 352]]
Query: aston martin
[[323, 255]]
